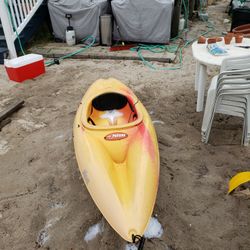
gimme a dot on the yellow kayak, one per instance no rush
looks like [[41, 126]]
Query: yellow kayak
[[117, 153]]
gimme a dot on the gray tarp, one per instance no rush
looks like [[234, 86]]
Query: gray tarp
[[237, 4], [85, 17], [143, 20]]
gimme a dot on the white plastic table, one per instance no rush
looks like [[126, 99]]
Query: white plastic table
[[204, 58]]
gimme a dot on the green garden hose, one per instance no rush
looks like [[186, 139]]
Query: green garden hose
[[140, 48], [13, 25], [158, 49], [57, 61], [50, 62], [171, 48]]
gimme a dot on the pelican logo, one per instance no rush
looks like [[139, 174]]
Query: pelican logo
[[115, 136]]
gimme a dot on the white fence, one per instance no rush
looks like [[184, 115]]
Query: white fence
[[15, 15]]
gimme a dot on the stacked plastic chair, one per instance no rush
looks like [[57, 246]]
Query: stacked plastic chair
[[229, 93]]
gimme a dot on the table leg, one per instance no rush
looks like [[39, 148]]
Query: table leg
[[197, 70], [201, 82]]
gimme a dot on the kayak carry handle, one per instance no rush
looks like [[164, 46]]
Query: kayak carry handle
[[139, 239]]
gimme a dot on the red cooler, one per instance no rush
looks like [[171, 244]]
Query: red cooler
[[25, 67]]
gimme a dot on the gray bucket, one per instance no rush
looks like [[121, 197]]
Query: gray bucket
[[106, 29]]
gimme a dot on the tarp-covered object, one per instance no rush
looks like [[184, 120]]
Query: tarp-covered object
[[85, 17], [143, 20]]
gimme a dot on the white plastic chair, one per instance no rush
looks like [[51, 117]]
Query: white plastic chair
[[229, 93], [235, 63], [234, 104]]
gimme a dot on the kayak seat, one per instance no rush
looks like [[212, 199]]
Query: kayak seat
[[111, 109]]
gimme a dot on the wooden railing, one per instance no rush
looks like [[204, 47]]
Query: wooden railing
[[15, 15]]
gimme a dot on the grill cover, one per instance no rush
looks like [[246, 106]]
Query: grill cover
[[85, 17], [142, 20]]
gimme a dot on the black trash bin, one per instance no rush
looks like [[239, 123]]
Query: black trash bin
[[240, 16]]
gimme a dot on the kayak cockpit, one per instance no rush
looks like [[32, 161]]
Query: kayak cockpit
[[111, 109]]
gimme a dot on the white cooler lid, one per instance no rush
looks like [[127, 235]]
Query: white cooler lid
[[22, 60]]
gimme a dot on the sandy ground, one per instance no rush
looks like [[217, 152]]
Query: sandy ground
[[43, 201]]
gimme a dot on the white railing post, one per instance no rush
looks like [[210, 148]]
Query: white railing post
[[8, 30], [28, 14], [21, 11]]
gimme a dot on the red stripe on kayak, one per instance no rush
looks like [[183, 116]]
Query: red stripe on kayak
[[147, 140]]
